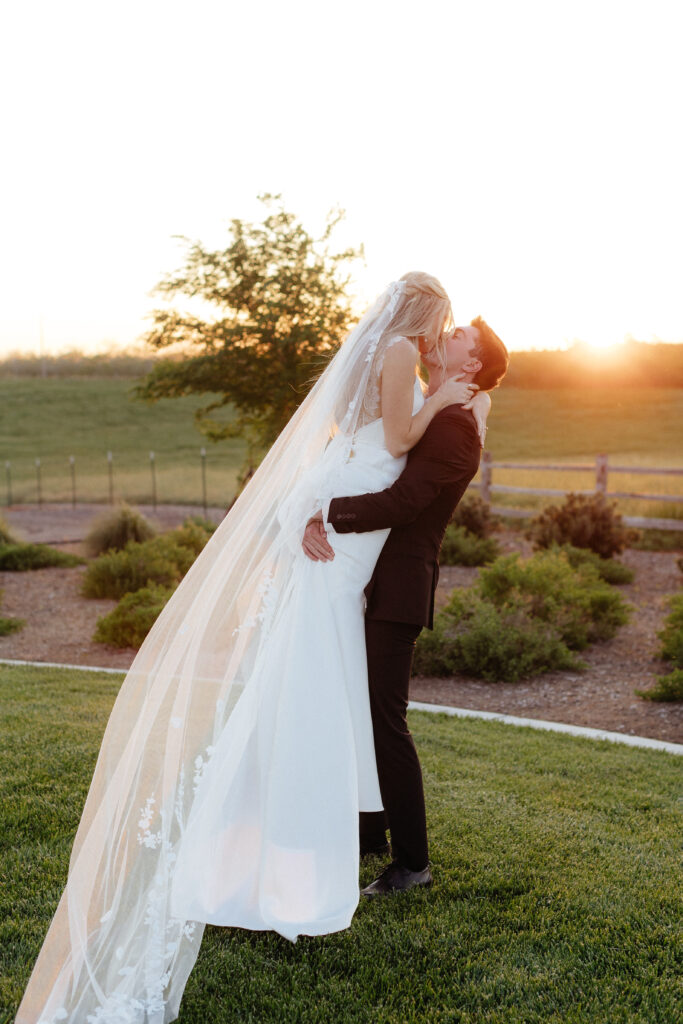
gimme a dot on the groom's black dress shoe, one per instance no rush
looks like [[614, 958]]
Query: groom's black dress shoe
[[396, 878]]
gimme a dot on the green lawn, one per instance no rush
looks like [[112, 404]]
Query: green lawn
[[555, 862]]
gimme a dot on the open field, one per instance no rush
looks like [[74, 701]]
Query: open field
[[52, 419], [55, 418], [554, 859]]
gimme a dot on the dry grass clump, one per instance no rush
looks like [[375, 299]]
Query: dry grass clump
[[113, 530]]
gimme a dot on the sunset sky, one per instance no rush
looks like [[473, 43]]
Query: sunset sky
[[527, 153]]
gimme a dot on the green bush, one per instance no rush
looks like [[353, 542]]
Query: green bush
[[113, 530], [191, 535], [475, 515], [608, 569], [672, 634], [11, 625], [584, 521], [163, 560], [6, 535], [460, 547], [474, 637], [207, 525], [133, 617], [521, 618], [576, 602], [24, 557], [668, 687]]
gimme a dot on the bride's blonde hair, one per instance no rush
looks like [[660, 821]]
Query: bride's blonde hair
[[425, 311]]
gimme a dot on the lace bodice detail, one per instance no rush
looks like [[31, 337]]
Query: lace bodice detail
[[372, 400]]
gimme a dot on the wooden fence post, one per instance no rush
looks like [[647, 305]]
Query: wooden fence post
[[601, 474], [486, 474]]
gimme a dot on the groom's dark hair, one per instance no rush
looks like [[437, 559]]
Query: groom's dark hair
[[492, 354]]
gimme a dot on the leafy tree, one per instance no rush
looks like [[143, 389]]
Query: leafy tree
[[282, 311]]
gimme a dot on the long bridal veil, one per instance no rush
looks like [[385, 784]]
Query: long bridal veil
[[114, 953]]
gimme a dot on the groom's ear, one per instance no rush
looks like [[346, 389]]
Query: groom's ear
[[472, 366]]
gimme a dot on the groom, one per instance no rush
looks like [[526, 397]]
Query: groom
[[400, 594]]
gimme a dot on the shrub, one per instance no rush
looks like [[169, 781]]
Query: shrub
[[163, 560], [475, 515], [672, 634], [207, 525], [521, 618], [460, 547], [6, 535], [608, 569], [24, 557], [576, 602], [11, 625], [123, 572], [191, 535], [584, 521], [112, 531], [668, 687], [505, 644], [133, 617]]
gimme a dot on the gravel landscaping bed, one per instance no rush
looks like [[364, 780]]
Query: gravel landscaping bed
[[60, 624]]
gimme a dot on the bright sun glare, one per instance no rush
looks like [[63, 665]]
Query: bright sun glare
[[544, 192]]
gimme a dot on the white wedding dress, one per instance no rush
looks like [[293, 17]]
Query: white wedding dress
[[272, 838]]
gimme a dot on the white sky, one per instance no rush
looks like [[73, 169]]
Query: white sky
[[527, 152]]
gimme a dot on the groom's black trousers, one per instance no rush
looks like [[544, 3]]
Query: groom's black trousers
[[390, 649]]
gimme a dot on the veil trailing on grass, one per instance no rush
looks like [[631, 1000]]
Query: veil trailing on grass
[[114, 953]]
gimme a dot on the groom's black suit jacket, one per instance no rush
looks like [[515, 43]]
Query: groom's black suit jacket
[[417, 507]]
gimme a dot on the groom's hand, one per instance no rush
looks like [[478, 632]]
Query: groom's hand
[[315, 543]]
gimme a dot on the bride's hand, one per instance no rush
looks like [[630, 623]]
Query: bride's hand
[[480, 407], [455, 391]]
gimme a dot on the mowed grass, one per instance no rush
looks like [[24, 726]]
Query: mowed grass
[[54, 418], [555, 862]]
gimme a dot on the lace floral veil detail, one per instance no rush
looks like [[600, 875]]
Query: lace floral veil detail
[[114, 953]]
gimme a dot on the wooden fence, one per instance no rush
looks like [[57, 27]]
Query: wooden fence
[[601, 470]]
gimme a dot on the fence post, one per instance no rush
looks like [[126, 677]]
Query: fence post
[[8, 482], [110, 468], [202, 454], [486, 474], [204, 492], [153, 471], [601, 474], [72, 470], [39, 484]]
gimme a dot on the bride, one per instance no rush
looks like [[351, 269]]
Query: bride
[[239, 750]]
